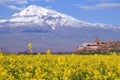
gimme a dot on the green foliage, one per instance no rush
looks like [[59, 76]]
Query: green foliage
[[30, 48]]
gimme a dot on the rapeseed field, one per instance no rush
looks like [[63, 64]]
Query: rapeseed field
[[59, 67]]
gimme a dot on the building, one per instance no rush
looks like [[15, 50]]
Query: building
[[99, 46]]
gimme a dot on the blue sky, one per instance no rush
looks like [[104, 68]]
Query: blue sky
[[94, 11]]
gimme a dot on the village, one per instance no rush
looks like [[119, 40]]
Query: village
[[99, 46]]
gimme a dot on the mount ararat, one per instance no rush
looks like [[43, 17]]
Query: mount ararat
[[49, 29]]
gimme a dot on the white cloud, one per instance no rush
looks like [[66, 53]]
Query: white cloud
[[21, 2], [100, 6], [13, 2], [43, 0], [15, 7]]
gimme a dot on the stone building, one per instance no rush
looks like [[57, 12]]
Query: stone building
[[99, 46]]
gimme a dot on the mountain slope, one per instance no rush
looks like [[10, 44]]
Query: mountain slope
[[49, 29], [39, 16]]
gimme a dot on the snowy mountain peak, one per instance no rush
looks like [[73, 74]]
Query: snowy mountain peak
[[32, 10], [40, 16]]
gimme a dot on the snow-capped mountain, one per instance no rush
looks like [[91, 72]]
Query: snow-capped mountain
[[39, 16], [49, 29]]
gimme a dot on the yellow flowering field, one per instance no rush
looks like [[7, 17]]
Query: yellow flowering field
[[59, 67]]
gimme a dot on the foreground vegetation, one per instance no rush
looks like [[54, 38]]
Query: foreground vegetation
[[59, 67]]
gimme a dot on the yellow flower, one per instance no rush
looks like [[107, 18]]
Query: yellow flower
[[27, 74]]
